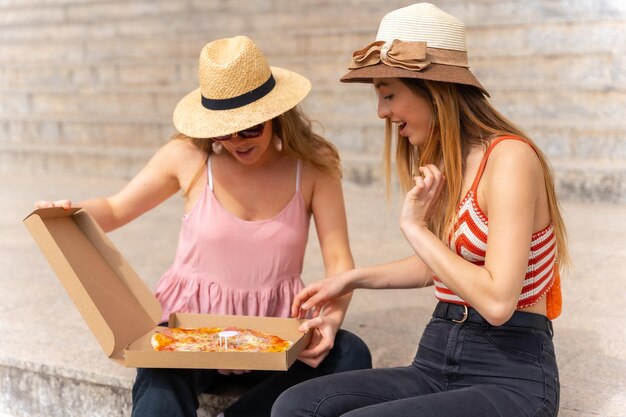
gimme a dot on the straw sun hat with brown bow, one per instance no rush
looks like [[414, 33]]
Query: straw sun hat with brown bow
[[238, 89], [417, 41]]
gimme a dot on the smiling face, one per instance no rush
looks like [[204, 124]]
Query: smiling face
[[252, 150], [404, 107]]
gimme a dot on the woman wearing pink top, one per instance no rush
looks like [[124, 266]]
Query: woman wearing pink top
[[252, 172], [471, 177]]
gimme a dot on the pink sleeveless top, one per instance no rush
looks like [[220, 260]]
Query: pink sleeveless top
[[469, 240], [226, 265]]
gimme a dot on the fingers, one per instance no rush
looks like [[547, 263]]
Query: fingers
[[313, 362], [301, 297], [314, 302], [429, 181], [318, 349], [305, 300], [311, 324], [66, 204], [431, 175]]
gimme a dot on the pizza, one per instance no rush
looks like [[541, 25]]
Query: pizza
[[216, 339]]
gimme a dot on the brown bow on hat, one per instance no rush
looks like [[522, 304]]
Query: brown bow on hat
[[412, 56], [407, 55]]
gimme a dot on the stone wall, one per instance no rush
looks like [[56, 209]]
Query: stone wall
[[88, 86]]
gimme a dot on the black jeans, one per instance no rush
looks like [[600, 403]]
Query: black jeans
[[174, 392], [468, 369]]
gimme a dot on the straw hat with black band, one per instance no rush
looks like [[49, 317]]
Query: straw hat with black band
[[417, 41], [238, 89]]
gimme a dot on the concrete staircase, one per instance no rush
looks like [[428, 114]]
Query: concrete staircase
[[88, 86], [87, 89]]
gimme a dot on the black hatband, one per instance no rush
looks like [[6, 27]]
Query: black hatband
[[242, 100]]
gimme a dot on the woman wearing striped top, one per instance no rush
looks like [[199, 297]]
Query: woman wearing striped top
[[482, 217]]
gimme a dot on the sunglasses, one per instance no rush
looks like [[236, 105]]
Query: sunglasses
[[249, 133]]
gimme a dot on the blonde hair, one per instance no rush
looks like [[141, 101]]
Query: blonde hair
[[295, 130], [462, 118], [300, 142]]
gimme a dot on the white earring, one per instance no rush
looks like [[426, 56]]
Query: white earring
[[217, 147], [278, 143]]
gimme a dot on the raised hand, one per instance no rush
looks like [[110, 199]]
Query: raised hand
[[418, 204]]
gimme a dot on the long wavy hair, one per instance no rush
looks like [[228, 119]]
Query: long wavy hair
[[295, 130], [462, 118]]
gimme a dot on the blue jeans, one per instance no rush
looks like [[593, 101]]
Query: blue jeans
[[174, 392], [460, 370]]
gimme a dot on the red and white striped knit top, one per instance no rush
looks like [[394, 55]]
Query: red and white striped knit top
[[469, 240]]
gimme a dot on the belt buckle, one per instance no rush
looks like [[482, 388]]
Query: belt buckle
[[465, 315]]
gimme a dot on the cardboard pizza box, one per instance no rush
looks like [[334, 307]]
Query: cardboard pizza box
[[122, 312]]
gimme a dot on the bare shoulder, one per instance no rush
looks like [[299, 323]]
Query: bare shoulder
[[513, 156], [316, 176], [318, 182], [513, 173], [180, 149], [177, 155]]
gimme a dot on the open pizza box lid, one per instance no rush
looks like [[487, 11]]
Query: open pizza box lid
[[121, 310]]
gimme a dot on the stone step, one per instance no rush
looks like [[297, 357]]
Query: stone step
[[590, 180], [153, 102], [601, 111], [486, 12], [557, 140], [142, 73], [54, 52], [59, 131], [597, 108], [102, 75], [67, 20], [590, 72], [557, 39], [132, 20], [89, 161], [30, 390], [148, 47], [577, 179]]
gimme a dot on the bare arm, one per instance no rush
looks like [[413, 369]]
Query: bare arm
[[329, 213], [511, 185], [332, 231], [409, 272], [157, 181]]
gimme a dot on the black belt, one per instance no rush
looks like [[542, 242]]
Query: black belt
[[461, 314]]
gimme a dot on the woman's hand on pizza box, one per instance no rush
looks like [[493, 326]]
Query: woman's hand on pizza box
[[322, 341], [66, 204]]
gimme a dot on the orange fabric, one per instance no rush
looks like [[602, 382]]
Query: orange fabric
[[554, 300]]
